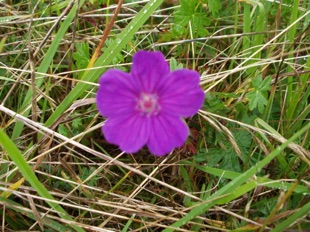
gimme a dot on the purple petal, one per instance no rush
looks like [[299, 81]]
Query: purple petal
[[117, 93], [181, 94], [149, 69], [129, 132], [167, 132]]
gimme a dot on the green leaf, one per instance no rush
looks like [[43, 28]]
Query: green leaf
[[215, 104], [265, 84], [200, 21], [81, 55], [227, 159], [62, 129], [174, 65], [186, 12], [214, 6], [119, 58], [77, 123], [258, 96], [192, 11]]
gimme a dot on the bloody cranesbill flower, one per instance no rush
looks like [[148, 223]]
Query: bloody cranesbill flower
[[147, 105]]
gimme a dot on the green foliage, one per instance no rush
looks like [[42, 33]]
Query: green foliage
[[215, 102], [62, 129], [225, 157], [192, 12], [77, 123], [120, 57], [215, 6], [258, 95], [73, 128], [86, 172], [81, 55], [174, 65]]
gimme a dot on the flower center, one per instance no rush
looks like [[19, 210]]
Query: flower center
[[148, 103]]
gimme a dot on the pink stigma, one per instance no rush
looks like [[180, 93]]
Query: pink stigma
[[148, 103]]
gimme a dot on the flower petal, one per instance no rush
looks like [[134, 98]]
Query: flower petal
[[149, 69], [181, 94], [129, 132], [167, 132], [117, 93]]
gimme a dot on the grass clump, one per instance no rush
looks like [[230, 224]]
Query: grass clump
[[245, 165]]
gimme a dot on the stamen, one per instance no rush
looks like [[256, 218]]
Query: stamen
[[148, 104]]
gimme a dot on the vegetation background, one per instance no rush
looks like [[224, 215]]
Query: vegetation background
[[245, 166]]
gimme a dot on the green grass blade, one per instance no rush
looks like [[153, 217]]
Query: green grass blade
[[246, 25], [106, 58], [243, 189], [300, 213], [234, 184], [45, 64], [301, 90], [16, 156], [290, 79], [276, 184], [126, 227], [260, 28]]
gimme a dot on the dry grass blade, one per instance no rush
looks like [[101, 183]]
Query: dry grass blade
[[34, 210]]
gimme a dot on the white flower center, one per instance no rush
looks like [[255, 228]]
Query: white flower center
[[148, 104]]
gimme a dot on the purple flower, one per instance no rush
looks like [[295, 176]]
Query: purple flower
[[147, 105]]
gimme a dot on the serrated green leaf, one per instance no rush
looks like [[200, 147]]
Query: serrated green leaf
[[214, 6], [81, 56], [227, 159], [260, 84], [265, 85], [191, 11], [174, 65], [258, 96], [76, 123], [252, 100], [257, 100], [200, 21], [62, 129], [186, 11], [256, 82]]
